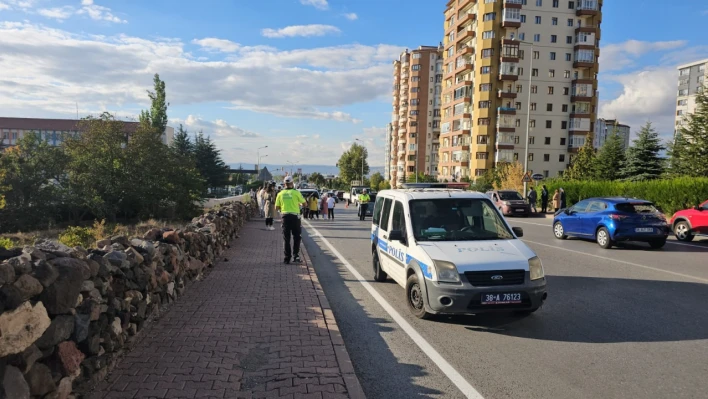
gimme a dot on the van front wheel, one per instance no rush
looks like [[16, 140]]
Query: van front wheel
[[415, 298]]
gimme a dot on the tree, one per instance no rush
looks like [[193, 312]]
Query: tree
[[508, 176], [689, 152], [376, 180], [384, 185], [583, 164], [157, 115], [209, 163], [182, 145], [317, 179], [679, 164], [610, 159], [643, 160], [350, 163], [422, 178]]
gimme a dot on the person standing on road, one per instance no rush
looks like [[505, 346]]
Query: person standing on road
[[269, 206], [288, 204], [324, 206], [532, 196], [330, 206], [562, 198], [363, 203], [313, 205], [556, 200], [544, 199]]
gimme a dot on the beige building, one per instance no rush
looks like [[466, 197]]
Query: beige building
[[498, 53], [691, 78], [417, 79]]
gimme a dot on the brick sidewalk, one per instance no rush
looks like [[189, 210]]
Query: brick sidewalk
[[254, 328]]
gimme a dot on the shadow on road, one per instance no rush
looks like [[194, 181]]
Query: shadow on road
[[605, 310], [671, 246], [381, 374]]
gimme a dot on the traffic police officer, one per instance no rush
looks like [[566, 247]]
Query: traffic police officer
[[363, 203], [288, 204]]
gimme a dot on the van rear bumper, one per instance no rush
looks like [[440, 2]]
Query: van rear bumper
[[466, 299]]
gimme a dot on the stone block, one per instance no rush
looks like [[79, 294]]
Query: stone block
[[21, 327]]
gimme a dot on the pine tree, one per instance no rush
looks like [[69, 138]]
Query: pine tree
[[610, 159], [583, 164], [182, 145], [643, 160], [689, 153], [157, 115], [209, 163]]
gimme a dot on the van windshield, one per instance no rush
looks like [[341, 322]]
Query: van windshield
[[510, 196], [457, 219]]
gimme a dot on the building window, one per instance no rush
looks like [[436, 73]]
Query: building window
[[538, 20], [562, 140], [564, 108], [521, 70], [490, 16], [485, 70], [519, 88], [532, 123], [566, 74], [564, 125], [539, 3], [549, 107], [518, 123], [550, 89], [530, 156], [534, 72], [536, 55], [523, 21], [552, 55], [516, 156], [533, 106], [554, 21], [561, 158], [549, 125], [484, 104], [517, 139], [487, 53], [485, 87], [683, 92], [566, 91], [482, 155], [481, 139], [416, 67], [483, 122], [489, 34], [522, 36], [547, 141], [554, 38], [414, 112], [569, 40], [555, 3], [416, 56], [534, 89], [518, 105], [532, 139], [551, 73], [546, 157], [537, 37], [684, 71], [571, 5]]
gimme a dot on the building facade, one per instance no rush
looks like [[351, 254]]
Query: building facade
[[54, 130], [387, 151], [692, 77], [510, 65], [416, 113], [605, 127]]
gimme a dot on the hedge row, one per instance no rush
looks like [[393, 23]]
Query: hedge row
[[670, 195]]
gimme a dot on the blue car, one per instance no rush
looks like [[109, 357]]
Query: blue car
[[610, 220]]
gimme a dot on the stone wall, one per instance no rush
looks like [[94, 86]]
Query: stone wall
[[66, 314]]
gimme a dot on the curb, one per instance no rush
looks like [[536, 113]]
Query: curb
[[351, 381]]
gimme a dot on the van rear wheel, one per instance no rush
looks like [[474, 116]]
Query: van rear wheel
[[415, 298]]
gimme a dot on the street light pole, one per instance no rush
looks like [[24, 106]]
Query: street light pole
[[258, 154], [528, 121]]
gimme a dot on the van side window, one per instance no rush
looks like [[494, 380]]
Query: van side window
[[386, 213], [398, 222], [377, 210]]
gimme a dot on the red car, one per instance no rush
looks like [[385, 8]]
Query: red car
[[689, 223]]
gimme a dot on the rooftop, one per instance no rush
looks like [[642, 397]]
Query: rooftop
[[692, 64]]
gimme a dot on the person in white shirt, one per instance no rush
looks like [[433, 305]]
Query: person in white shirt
[[261, 201], [330, 207]]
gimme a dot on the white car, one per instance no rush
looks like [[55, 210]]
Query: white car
[[454, 253]]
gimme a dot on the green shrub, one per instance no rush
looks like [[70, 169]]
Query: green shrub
[[6, 243], [77, 237], [670, 195]]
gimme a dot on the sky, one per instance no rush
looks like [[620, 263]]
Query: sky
[[304, 77]]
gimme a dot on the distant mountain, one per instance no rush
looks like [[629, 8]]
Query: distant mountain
[[277, 170]]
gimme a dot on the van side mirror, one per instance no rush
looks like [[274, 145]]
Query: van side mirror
[[396, 235], [518, 231]]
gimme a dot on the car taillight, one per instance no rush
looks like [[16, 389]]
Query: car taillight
[[618, 217]]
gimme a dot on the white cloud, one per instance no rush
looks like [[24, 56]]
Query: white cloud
[[300, 30], [99, 13], [59, 13], [618, 56], [113, 72], [318, 4], [373, 139], [88, 8], [4, 6], [214, 44], [219, 127], [351, 16]]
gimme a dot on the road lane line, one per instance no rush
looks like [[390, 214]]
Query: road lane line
[[619, 261], [535, 224], [447, 369]]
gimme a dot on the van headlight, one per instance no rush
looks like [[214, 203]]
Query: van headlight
[[446, 271], [535, 268]]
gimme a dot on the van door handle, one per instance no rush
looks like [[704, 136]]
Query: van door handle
[[385, 237]]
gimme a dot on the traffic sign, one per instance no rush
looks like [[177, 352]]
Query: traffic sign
[[527, 178], [537, 176]]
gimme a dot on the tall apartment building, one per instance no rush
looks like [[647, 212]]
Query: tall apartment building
[[691, 79], [387, 151], [605, 127], [417, 85], [496, 54]]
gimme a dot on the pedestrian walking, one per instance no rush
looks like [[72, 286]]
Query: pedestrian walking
[[532, 196], [556, 200], [324, 207], [562, 198], [261, 201], [363, 203], [544, 199], [312, 206], [269, 206], [330, 207], [288, 204]]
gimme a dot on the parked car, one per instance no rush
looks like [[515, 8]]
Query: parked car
[[689, 223], [340, 195], [610, 220], [510, 202]]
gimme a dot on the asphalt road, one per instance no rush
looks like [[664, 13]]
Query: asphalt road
[[628, 322]]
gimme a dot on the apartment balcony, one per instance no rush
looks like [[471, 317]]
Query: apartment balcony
[[584, 114], [467, 17], [588, 29], [465, 35], [510, 54], [584, 63], [505, 128], [581, 98], [583, 81], [508, 76], [465, 50], [584, 46], [506, 111], [513, 3], [401, 152], [401, 130], [405, 65], [587, 8], [506, 94], [509, 21]]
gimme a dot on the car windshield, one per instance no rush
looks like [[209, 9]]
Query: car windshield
[[457, 219], [510, 196], [638, 207]]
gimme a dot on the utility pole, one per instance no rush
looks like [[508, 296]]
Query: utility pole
[[362, 160], [528, 121]]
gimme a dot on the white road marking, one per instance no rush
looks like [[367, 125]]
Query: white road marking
[[447, 369], [668, 241], [619, 261]]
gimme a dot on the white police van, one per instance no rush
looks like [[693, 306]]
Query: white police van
[[454, 253]]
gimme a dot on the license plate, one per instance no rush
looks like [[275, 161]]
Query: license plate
[[644, 230], [519, 210], [501, 298]]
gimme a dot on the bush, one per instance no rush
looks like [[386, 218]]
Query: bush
[[670, 195], [6, 243], [77, 237]]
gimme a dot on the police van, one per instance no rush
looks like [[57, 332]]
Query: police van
[[454, 253]]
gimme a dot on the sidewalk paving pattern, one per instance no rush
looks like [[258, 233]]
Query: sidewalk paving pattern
[[253, 328]]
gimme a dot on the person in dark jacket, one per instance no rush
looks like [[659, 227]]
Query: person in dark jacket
[[563, 203], [544, 199]]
